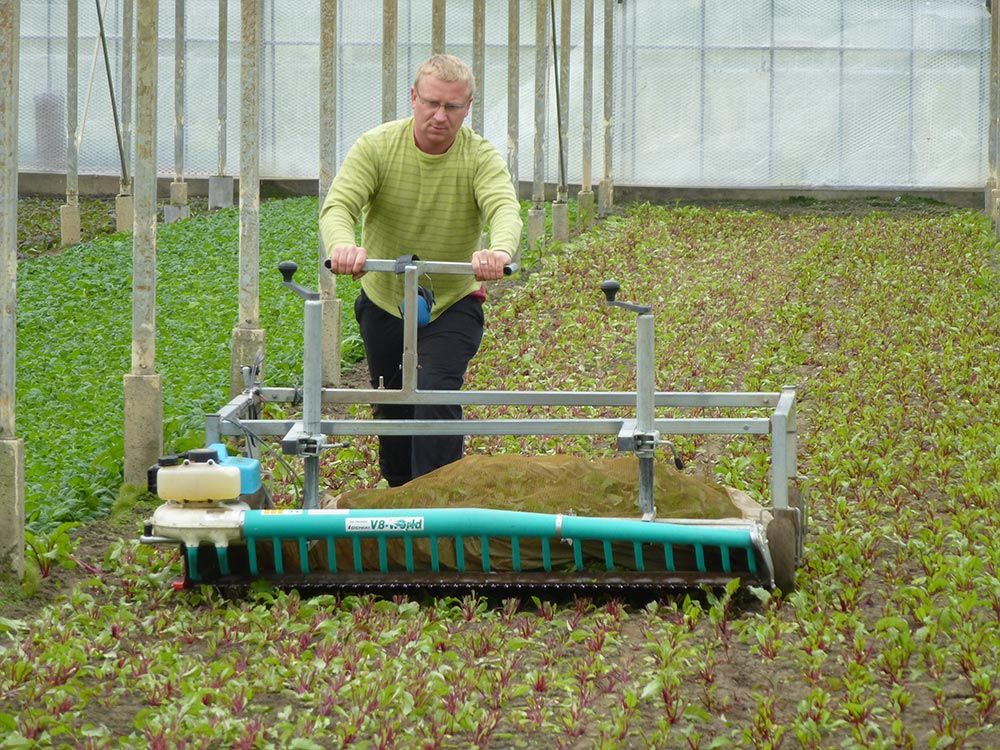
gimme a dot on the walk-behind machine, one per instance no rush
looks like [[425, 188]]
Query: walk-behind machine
[[212, 500]]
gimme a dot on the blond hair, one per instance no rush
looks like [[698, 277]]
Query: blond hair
[[447, 68]]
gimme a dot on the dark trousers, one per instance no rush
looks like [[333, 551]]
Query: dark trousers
[[444, 348]]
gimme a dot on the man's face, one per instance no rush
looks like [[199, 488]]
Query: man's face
[[439, 108]]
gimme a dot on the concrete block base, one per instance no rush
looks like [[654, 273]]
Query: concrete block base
[[247, 343], [179, 193], [143, 426], [172, 213], [605, 197], [560, 222], [585, 210], [220, 191], [178, 208], [536, 229], [124, 213], [12, 507], [69, 223]]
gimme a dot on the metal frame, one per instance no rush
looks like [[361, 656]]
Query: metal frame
[[308, 436]]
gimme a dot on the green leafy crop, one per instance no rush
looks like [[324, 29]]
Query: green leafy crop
[[889, 326], [74, 334]]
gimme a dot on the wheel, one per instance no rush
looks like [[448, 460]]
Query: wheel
[[782, 542]]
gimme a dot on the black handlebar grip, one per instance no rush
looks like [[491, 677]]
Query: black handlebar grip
[[288, 269], [610, 289], [328, 265]]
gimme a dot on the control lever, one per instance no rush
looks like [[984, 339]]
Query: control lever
[[288, 269], [610, 287]]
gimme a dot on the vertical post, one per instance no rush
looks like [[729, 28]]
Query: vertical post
[[220, 185], [223, 92], [536, 214], [560, 208], [993, 182], [11, 449], [143, 389], [327, 168], [248, 338], [513, 88], [69, 214], [410, 328], [479, 62], [438, 27], [645, 393], [389, 34], [779, 456], [178, 207], [312, 398], [128, 50], [124, 207], [606, 196], [585, 198]]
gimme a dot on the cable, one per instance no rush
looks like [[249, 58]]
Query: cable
[[111, 90], [555, 64], [288, 467]]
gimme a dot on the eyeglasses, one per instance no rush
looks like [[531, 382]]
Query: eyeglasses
[[450, 108]]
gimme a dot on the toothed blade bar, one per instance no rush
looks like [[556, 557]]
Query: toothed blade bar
[[474, 548]]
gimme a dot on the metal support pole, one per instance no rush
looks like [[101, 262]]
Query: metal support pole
[[10, 38], [11, 448], [791, 433], [606, 197], [128, 34], [327, 168], [560, 208], [993, 182], [220, 185], [645, 393], [180, 32], [536, 214], [779, 450], [124, 204], [248, 338], [410, 329], [390, 12], [585, 198], [312, 366], [564, 77], [438, 27], [223, 73], [143, 390], [479, 62], [513, 88], [69, 214], [178, 208]]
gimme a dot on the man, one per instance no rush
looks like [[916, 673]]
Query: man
[[424, 185]]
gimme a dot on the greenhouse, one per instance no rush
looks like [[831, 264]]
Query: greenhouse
[[453, 373]]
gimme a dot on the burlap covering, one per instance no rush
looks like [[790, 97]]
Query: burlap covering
[[606, 487], [541, 484]]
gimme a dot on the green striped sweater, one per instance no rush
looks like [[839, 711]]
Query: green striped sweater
[[432, 206]]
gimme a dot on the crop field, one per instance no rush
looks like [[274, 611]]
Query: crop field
[[887, 320]]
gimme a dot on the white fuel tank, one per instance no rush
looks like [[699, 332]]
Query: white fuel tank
[[198, 482]]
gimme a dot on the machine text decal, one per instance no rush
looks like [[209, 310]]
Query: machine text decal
[[401, 523]]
